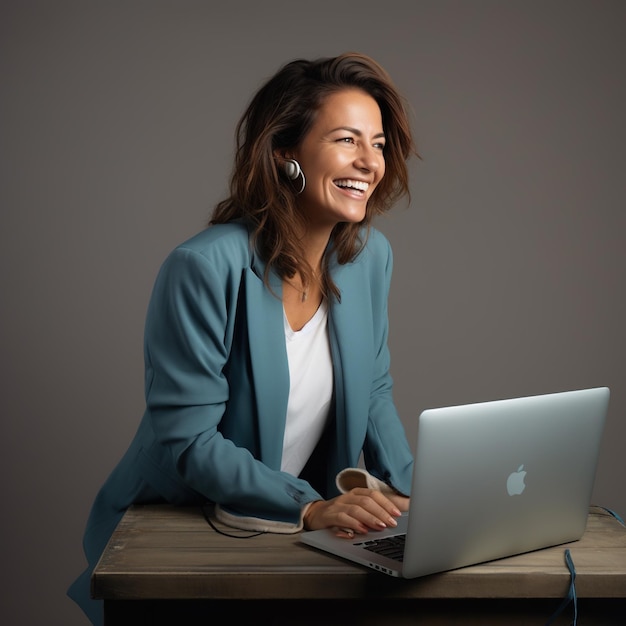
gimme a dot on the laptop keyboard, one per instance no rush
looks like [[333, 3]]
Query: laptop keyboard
[[391, 547]]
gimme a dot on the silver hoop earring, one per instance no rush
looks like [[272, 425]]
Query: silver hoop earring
[[294, 171]]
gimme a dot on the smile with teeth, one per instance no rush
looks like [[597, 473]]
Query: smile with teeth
[[357, 185]]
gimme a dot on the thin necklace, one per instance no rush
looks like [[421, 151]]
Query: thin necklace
[[304, 290]]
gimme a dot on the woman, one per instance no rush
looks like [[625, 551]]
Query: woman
[[267, 367]]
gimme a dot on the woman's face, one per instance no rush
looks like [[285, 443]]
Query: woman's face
[[342, 159]]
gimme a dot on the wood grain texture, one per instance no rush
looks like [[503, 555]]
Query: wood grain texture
[[169, 553]]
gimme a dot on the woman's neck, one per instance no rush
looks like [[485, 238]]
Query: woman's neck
[[301, 300]]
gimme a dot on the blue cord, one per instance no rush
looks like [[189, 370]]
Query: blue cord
[[571, 594], [613, 513]]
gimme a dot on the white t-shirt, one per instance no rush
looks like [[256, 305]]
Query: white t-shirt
[[310, 391]]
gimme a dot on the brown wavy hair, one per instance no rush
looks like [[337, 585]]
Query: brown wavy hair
[[276, 121]]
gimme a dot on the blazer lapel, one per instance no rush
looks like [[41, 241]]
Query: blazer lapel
[[352, 350], [268, 361]]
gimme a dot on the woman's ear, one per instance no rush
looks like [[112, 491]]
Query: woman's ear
[[290, 167]]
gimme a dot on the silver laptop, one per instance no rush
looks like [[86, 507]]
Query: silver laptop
[[490, 480]]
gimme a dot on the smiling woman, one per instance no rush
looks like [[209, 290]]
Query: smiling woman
[[267, 367], [277, 123], [342, 155]]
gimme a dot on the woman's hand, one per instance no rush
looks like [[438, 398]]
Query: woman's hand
[[358, 511]]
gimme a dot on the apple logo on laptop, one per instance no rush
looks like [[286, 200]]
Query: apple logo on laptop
[[515, 482]]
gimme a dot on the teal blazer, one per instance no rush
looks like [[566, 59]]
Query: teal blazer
[[217, 383]]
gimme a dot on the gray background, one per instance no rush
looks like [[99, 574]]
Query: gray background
[[116, 140]]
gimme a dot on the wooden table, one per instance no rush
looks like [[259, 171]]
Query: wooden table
[[166, 565]]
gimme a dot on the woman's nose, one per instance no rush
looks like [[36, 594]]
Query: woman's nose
[[369, 159]]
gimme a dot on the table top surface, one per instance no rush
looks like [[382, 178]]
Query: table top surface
[[166, 552]]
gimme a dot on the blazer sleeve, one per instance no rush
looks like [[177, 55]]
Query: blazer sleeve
[[187, 342], [386, 452]]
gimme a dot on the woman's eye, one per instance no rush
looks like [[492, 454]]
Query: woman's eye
[[347, 140], [379, 146]]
